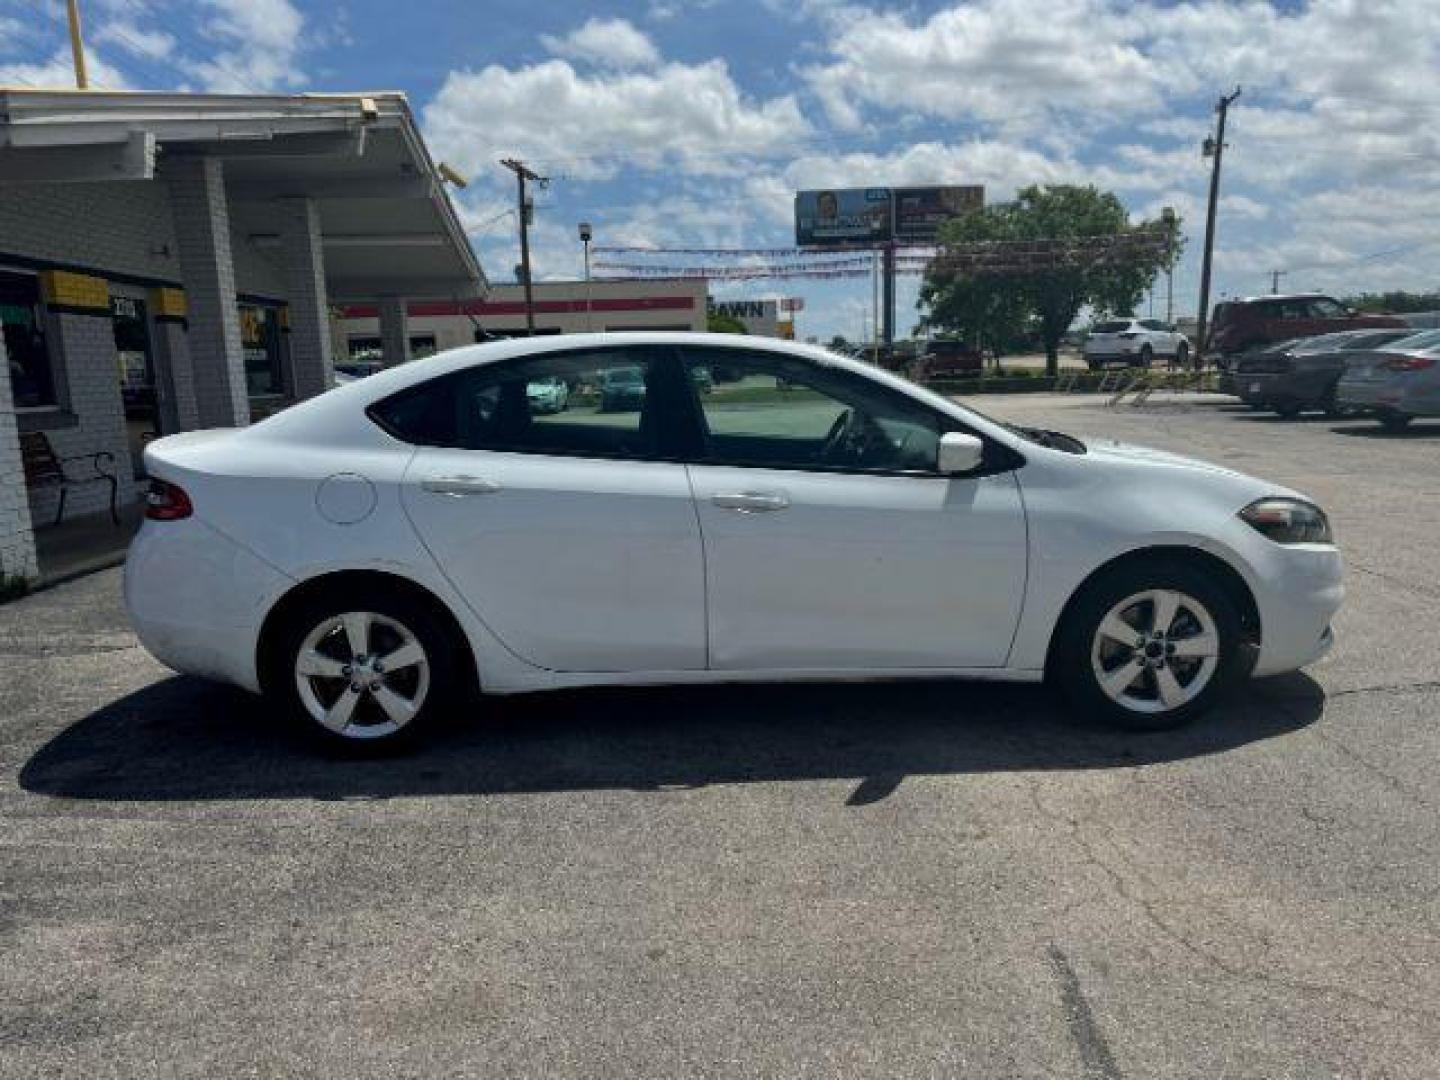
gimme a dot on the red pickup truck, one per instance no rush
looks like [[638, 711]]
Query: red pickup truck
[[1238, 325]]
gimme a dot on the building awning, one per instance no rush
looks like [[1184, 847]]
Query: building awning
[[387, 223]]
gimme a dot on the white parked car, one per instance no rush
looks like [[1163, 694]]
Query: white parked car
[[373, 556], [1135, 343], [548, 395]]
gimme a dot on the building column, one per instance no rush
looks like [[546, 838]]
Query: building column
[[202, 237], [394, 331], [174, 372], [17, 537], [312, 364]]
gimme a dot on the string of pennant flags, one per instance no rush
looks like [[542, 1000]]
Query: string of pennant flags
[[989, 257]]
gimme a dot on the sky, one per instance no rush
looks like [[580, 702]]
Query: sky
[[691, 123]]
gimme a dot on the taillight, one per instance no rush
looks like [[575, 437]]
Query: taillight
[[166, 502], [1410, 363]]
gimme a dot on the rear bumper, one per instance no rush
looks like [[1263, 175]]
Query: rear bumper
[[1392, 396], [197, 599], [1266, 388]]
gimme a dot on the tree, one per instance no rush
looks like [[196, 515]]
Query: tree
[[1396, 302], [1038, 269], [839, 344], [717, 323]]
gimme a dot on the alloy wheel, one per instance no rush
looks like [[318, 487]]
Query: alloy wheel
[[1155, 651], [362, 675]]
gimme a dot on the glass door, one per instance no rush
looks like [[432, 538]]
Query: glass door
[[137, 375]]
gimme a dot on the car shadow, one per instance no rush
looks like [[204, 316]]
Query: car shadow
[[1372, 430], [184, 739]]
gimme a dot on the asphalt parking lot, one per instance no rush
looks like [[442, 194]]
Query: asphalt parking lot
[[886, 880]]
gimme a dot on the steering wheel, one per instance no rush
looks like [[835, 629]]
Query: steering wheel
[[851, 438]]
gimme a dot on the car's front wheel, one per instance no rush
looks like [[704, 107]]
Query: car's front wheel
[[363, 671], [1149, 646], [1182, 355]]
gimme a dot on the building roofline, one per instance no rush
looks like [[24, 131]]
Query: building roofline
[[32, 116]]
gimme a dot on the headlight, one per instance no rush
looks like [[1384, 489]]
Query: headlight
[[1289, 521]]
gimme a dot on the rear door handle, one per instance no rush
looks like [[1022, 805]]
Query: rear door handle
[[457, 487], [752, 502]]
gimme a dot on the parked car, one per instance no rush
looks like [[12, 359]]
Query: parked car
[[372, 556], [1134, 343], [621, 390], [946, 359], [548, 395], [1397, 382], [1299, 375], [1238, 325]]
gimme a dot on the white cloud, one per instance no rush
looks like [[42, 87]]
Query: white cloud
[[612, 43], [589, 126], [58, 72], [138, 42], [995, 60], [260, 44]]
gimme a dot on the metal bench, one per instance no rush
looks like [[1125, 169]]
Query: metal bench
[[44, 469]]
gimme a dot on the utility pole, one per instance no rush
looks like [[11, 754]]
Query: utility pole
[[887, 314], [1275, 276], [77, 46], [1213, 148], [527, 209]]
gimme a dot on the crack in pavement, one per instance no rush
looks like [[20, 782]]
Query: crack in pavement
[[1147, 908]]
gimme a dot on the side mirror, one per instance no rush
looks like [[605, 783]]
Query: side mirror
[[959, 453]]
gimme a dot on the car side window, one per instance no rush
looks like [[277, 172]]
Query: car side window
[[780, 412], [591, 403], [1325, 308], [1153, 324]]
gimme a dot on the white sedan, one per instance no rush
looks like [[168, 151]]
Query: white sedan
[[373, 557], [1135, 343]]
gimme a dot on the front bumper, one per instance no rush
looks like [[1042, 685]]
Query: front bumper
[[1301, 590]]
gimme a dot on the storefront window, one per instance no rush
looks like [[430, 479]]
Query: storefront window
[[32, 379], [260, 336]]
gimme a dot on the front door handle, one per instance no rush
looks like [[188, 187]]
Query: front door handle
[[457, 487], [752, 502]]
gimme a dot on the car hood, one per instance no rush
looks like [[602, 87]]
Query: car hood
[[1109, 451]]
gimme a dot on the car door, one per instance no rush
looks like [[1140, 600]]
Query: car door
[[830, 540], [570, 532]]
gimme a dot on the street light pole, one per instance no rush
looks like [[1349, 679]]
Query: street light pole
[[77, 45], [585, 234]]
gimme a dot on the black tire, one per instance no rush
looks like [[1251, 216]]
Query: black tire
[[1395, 422], [1288, 411], [393, 606], [1147, 356], [1182, 355], [1074, 651], [1093, 365]]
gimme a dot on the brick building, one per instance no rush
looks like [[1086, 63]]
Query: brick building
[[169, 261]]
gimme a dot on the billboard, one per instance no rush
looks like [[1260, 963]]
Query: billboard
[[920, 211], [836, 217]]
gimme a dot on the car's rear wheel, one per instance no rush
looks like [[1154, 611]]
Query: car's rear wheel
[[1149, 646], [364, 671], [1288, 410], [1394, 421], [1147, 356]]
